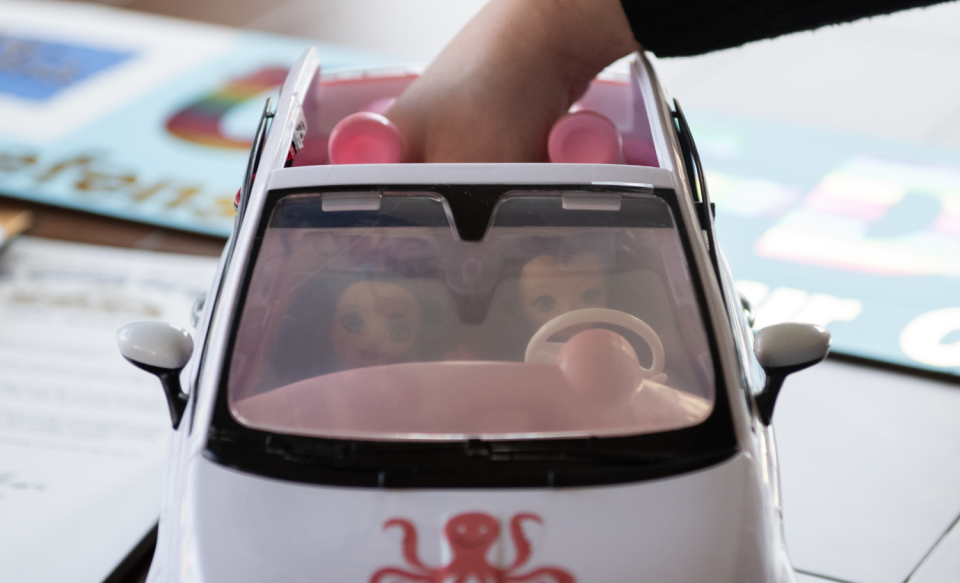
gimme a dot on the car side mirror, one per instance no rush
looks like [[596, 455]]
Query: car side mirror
[[783, 349], [163, 350]]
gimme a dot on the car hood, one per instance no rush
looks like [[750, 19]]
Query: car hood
[[705, 525]]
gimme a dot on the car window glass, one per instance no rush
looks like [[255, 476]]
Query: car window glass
[[370, 319]]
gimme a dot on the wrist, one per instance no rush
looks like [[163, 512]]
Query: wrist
[[565, 41]]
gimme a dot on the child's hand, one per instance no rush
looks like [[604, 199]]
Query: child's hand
[[495, 91]]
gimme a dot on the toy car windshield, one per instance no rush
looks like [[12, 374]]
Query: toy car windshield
[[368, 318]]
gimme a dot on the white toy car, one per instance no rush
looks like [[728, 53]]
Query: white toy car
[[472, 372]]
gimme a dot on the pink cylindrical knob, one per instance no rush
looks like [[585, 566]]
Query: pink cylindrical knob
[[584, 137], [365, 138]]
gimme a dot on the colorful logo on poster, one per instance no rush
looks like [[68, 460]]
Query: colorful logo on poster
[[875, 216], [201, 121], [37, 69]]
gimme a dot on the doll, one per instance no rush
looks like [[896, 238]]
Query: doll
[[375, 322], [549, 288]]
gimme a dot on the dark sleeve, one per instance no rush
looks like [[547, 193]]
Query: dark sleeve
[[675, 28]]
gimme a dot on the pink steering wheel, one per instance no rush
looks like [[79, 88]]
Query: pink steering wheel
[[539, 350]]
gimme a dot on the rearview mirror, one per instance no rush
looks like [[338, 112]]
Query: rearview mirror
[[783, 349], [163, 350]]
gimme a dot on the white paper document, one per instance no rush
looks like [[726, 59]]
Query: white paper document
[[83, 433]]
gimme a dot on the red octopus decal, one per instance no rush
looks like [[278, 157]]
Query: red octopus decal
[[470, 535]]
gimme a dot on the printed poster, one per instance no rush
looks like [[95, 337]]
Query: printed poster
[[860, 235], [136, 116]]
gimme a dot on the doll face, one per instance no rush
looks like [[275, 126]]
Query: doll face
[[549, 288], [374, 323]]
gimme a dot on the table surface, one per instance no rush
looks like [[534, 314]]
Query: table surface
[[870, 459]]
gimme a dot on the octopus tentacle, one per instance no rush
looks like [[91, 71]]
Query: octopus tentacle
[[392, 571], [558, 575], [520, 541], [409, 542]]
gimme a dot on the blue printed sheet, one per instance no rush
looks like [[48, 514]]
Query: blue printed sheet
[[138, 117], [857, 234]]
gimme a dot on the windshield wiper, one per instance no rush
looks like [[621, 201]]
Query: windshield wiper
[[371, 454], [591, 452], [573, 453]]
